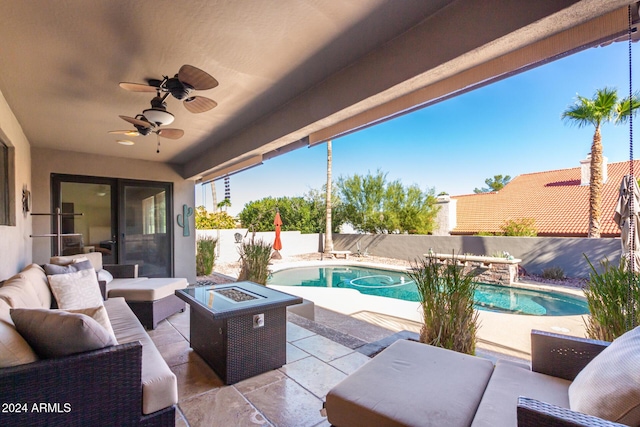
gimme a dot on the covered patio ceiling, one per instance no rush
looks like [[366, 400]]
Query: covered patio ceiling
[[290, 72]]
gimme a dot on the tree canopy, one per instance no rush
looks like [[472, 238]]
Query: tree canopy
[[373, 205], [496, 183], [603, 107], [305, 214], [213, 220]]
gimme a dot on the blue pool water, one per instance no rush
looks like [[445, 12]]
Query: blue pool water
[[394, 284]]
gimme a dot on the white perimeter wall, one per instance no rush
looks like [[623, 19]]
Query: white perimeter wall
[[293, 242]]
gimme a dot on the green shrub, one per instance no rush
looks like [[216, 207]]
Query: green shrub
[[554, 273], [610, 297], [254, 258], [205, 255], [446, 295], [523, 227]]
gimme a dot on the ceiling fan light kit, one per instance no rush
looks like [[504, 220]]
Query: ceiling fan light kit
[[158, 116]]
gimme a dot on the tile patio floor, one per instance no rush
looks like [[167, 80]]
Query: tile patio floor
[[289, 396]]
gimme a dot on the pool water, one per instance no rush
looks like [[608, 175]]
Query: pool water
[[398, 285]]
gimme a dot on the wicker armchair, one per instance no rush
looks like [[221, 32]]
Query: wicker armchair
[[96, 388], [564, 357]]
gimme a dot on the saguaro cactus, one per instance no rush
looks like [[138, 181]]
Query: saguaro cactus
[[183, 219]]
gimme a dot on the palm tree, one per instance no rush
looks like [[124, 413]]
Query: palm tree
[[328, 238], [604, 107]]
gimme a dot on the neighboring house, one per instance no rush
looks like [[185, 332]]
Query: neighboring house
[[558, 200]]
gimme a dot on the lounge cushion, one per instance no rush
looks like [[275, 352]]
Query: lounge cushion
[[57, 333], [76, 290], [159, 383], [144, 289], [14, 350], [405, 370], [38, 280], [509, 381], [609, 386], [18, 292]]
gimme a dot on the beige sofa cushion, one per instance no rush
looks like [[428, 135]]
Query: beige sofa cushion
[[14, 350], [159, 384], [18, 292], [76, 290], [609, 386], [411, 384], [94, 257], [144, 289], [510, 380], [35, 275]]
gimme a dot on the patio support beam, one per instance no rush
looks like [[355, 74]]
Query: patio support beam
[[461, 36]]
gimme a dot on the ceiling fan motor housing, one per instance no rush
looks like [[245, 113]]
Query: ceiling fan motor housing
[[178, 89]]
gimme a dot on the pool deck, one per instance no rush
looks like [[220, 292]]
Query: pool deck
[[507, 334]]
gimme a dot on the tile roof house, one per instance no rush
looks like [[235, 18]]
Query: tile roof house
[[558, 200]]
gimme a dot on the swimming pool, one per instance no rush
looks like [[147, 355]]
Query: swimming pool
[[398, 285]]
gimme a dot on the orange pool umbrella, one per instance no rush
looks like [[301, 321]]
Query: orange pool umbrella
[[277, 243]]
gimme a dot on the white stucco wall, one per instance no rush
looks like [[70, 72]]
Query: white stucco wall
[[15, 243], [293, 242], [47, 161]]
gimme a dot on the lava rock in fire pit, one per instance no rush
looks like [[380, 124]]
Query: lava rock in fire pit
[[235, 295]]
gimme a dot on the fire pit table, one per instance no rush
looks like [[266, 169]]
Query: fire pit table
[[239, 329]]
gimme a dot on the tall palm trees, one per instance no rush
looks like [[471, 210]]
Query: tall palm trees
[[604, 107]]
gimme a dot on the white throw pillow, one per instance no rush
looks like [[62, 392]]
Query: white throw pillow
[[76, 290], [609, 386], [105, 276]]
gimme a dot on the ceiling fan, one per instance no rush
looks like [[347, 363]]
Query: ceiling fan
[[144, 126], [180, 86]]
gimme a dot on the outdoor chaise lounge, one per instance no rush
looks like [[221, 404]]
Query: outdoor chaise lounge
[[414, 384], [151, 299]]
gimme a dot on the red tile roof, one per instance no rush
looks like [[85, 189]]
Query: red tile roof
[[555, 199]]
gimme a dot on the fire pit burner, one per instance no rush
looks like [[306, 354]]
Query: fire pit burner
[[235, 294]]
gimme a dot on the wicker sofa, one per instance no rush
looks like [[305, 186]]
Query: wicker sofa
[[413, 384], [125, 384], [151, 299]]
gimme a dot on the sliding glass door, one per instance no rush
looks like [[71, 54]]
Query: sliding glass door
[[145, 227], [128, 221]]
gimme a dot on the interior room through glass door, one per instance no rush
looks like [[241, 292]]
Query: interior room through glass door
[[145, 228], [87, 218]]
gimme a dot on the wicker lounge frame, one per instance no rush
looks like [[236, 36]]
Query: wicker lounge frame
[[96, 388], [150, 313], [560, 356]]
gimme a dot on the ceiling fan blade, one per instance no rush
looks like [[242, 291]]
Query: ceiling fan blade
[[125, 132], [138, 122], [199, 104], [196, 78], [171, 133], [137, 87]]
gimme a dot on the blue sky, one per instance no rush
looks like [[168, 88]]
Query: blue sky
[[509, 128]]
